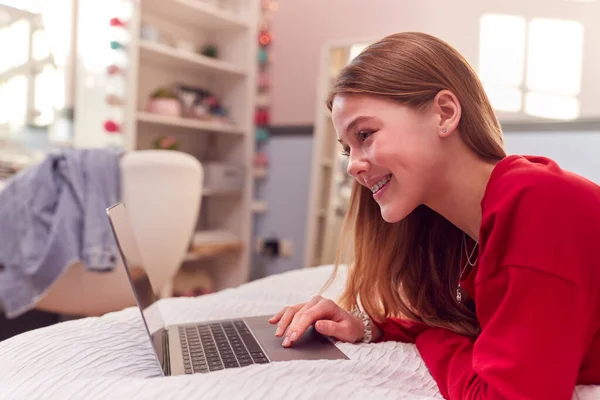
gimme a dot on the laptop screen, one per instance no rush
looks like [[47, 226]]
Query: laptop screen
[[136, 272]]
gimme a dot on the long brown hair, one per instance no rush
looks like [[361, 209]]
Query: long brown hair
[[410, 268]]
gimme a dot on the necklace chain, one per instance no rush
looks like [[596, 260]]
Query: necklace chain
[[463, 247]]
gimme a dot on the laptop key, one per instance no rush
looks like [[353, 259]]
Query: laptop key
[[251, 343]]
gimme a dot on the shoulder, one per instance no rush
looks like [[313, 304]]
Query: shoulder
[[537, 215], [539, 185]]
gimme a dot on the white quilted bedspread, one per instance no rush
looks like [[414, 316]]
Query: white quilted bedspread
[[110, 356]]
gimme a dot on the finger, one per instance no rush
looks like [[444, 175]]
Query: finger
[[275, 318], [328, 327], [286, 318], [324, 309], [306, 306]]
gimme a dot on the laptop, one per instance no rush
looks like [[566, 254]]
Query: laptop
[[207, 346]]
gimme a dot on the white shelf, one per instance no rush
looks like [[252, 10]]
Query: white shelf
[[157, 53], [195, 13], [188, 123], [213, 243]]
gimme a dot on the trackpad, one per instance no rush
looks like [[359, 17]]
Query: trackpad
[[310, 346]]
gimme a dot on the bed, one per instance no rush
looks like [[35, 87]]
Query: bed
[[110, 356]]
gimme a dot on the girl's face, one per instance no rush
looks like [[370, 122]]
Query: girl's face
[[393, 150]]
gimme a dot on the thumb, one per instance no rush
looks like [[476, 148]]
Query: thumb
[[328, 328]]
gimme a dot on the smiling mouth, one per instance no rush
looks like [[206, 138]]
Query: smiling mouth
[[381, 184]]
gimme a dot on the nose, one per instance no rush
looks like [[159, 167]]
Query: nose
[[357, 165]]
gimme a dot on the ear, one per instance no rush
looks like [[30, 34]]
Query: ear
[[447, 107]]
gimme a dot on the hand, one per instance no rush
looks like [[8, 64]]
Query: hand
[[329, 320]]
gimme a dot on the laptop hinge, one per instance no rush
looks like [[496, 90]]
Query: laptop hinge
[[166, 361]]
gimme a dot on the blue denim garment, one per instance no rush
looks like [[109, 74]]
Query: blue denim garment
[[52, 215]]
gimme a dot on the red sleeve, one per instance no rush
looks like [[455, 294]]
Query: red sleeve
[[531, 345], [399, 330]]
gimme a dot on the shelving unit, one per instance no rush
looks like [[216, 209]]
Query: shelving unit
[[221, 245], [160, 54], [215, 243], [329, 181], [188, 124]]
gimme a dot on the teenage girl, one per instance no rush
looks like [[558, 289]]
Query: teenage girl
[[489, 263]]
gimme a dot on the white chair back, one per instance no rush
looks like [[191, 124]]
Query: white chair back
[[162, 190]]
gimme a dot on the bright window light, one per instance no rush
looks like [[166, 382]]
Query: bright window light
[[41, 48], [15, 38], [554, 59], [355, 50], [13, 101], [502, 49], [45, 89], [504, 98], [548, 105]]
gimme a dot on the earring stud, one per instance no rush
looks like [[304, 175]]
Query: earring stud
[[444, 130]]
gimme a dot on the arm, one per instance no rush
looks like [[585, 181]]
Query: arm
[[531, 344], [396, 330]]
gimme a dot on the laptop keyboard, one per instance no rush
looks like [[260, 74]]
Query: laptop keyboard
[[212, 347]]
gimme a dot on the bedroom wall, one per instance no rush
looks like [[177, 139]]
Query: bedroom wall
[[301, 28], [574, 150], [285, 189]]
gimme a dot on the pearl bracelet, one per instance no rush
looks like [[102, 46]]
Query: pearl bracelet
[[364, 317]]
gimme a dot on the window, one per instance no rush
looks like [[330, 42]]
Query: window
[[532, 67], [37, 36], [355, 50]]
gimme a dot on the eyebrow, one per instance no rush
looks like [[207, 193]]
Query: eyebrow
[[357, 121], [353, 123]]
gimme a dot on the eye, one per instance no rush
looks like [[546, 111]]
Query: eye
[[346, 151], [363, 135]]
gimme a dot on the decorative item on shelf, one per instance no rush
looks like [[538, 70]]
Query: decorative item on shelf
[[116, 45], [112, 127], [263, 82], [263, 56], [262, 112], [262, 100], [164, 101], [262, 116], [261, 159], [262, 134], [117, 23], [199, 103], [166, 142], [114, 69], [264, 38], [210, 50]]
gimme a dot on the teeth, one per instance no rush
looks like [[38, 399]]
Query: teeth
[[375, 188]]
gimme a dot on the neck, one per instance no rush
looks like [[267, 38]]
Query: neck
[[458, 196]]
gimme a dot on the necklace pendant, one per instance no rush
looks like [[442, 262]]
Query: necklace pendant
[[458, 294]]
